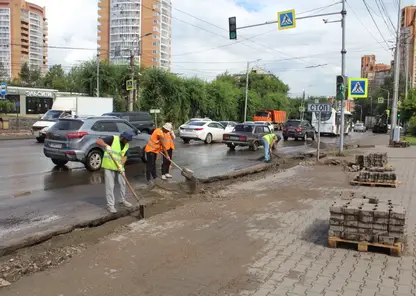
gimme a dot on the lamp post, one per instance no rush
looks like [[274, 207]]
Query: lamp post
[[388, 96], [247, 77], [361, 113]]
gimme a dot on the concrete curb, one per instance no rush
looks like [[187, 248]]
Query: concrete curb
[[15, 244], [11, 138]]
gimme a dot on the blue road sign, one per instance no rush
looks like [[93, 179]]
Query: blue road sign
[[286, 19], [357, 87], [3, 89]]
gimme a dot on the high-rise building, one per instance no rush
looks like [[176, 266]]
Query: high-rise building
[[376, 73], [407, 44], [23, 37], [143, 27]]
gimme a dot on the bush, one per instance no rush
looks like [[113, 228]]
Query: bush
[[412, 125], [6, 106]]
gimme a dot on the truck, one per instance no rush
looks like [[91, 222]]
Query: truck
[[69, 107], [276, 117], [381, 125], [370, 121]]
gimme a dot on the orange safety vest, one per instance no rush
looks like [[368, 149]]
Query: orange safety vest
[[168, 142], [154, 145]]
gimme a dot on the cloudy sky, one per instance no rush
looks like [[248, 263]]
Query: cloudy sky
[[306, 58]]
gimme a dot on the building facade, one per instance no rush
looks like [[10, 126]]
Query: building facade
[[141, 27], [407, 44], [23, 37], [375, 73]]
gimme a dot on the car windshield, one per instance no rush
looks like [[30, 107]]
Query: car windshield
[[51, 115], [224, 123], [292, 123], [197, 123], [243, 128], [67, 125], [262, 114]]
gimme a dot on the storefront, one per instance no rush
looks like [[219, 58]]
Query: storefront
[[31, 101]]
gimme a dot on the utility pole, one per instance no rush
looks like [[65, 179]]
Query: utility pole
[[98, 74], [131, 92], [396, 75], [245, 103], [343, 53], [303, 104]]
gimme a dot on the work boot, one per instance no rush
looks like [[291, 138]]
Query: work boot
[[126, 203], [168, 176], [164, 177], [111, 209]]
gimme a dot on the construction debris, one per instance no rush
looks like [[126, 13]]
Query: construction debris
[[4, 283], [368, 220]]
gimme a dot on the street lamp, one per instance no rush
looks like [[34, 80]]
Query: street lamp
[[388, 96], [247, 75]]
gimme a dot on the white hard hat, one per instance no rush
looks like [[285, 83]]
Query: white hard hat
[[168, 126]]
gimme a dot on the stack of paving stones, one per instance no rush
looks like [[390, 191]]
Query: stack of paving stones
[[367, 220], [375, 169]]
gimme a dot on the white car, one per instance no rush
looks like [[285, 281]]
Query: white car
[[198, 119], [207, 131], [228, 125], [359, 127], [268, 123]]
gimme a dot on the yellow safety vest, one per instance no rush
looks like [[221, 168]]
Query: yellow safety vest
[[269, 138], [117, 154]]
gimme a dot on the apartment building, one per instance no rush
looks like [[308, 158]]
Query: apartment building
[[407, 44], [23, 37], [141, 27], [376, 73]]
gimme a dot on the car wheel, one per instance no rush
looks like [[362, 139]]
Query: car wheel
[[185, 141], [296, 139], [255, 146], [94, 160], [144, 156], [285, 138], [231, 147], [59, 162], [305, 137], [208, 139]]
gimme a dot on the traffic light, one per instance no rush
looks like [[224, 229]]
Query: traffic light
[[232, 23], [398, 115], [340, 87]]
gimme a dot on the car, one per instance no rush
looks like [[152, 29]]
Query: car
[[298, 129], [268, 123], [143, 121], [246, 135], [228, 125], [360, 127], [207, 131], [74, 139]]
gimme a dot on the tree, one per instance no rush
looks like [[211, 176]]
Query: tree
[[4, 75], [30, 76], [55, 78]]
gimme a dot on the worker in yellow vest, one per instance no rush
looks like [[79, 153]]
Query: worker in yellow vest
[[154, 147], [269, 141], [117, 146], [169, 145]]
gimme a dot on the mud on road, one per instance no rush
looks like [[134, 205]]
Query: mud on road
[[60, 249]]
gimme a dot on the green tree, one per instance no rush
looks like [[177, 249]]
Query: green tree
[[55, 78]]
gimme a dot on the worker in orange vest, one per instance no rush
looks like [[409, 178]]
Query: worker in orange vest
[[154, 147], [169, 146]]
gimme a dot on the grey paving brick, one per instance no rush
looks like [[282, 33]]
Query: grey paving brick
[[402, 289], [368, 291], [299, 289], [263, 292], [350, 293], [352, 285]]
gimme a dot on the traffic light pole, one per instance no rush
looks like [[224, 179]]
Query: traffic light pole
[[131, 92], [343, 53], [396, 77]]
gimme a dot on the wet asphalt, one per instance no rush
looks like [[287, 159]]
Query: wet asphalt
[[36, 196]]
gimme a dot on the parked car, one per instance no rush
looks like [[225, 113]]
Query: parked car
[[207, 131], [298, 129], [228, 125], [143, 121], [360, 127], [74, 139], [268, 123], [246, 135]]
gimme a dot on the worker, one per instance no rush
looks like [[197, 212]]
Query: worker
[[269, 141], [154, 147], [169, 146], [117, 146]]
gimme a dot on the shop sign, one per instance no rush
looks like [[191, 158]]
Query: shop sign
[[39, 94]]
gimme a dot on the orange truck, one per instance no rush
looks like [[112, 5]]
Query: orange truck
[[276, 117]]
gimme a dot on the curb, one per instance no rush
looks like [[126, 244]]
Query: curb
[[40, 237], [11, 138]]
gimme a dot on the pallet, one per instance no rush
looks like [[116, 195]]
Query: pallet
[[395, 250], [402, 144], [375, 184]]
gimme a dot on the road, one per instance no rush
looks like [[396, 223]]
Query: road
[[34, 195]]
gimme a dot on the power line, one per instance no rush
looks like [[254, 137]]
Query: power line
[[375, 23], [384, 18]]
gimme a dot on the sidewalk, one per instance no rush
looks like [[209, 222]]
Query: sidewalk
[[258, 237]]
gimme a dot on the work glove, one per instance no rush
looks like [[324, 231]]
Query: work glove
[[108, 148]]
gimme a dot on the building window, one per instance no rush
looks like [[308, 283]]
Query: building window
[[155, 29], [155, 43], [154, 51], [35, 105], [155, 13], [155, 36], [155, 21]]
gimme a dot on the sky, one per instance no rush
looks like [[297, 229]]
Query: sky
[[307, 58]]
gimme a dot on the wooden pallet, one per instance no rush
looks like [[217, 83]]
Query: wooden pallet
[[375, 184], [395, 250], [401, 144]]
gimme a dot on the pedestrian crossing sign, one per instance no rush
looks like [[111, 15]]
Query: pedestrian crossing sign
[[358, 88], [286, 19]]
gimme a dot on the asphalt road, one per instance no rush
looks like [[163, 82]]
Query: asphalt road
[[35, 195]]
